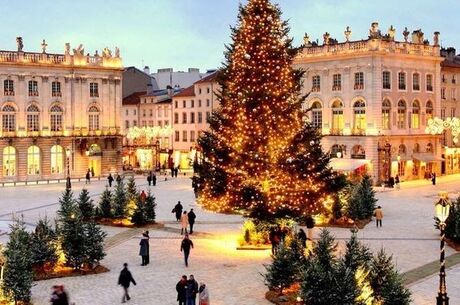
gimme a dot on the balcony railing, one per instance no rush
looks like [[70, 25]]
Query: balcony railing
[[429, 88], [56, 93], [8, 93], [315, 89], [416, 87], [336, 132], [33, 93], [336, 88], [359, 86], [94, 94], [8, 133], [358, 132]]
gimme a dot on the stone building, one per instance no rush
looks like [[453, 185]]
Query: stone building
[[59, 108], [372, 99]]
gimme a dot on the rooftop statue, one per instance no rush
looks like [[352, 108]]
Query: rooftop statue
[[80, 51], [374, 32], [391, 33], [19, 44], [347, 34], [117, 52], [106, 53]]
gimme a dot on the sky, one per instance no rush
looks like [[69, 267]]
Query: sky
[[192, 33]]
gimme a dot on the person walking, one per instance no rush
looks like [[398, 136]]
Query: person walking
[[59, 296], [191, 220], [143, 196], [178, 210], [110, 179], [378, 213], [203, 294], [185, 247], [125, 279], [149, 179], [433, 178], [191, 291], [88, 177], [144, 248], [184, 223], [274, 239], [92, 171], [302, 238], [181, 288], [154, 179], [118, 179], [310, 224], [398, 186]]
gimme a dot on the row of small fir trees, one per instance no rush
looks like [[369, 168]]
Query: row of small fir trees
[[356, 278], [125, 202]]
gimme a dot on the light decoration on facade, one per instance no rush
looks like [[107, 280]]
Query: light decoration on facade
[[437, 126], [150, 134]]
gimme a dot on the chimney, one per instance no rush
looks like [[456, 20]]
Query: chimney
[[149, 89], [147, 70]]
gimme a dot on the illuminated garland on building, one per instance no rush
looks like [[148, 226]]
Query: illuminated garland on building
[[149, 133], [260, 156], [437, 126]]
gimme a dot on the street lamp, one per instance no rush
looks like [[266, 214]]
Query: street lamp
[[339, 154], [157, 155], [442, 212], [68, 185], [399, 163]]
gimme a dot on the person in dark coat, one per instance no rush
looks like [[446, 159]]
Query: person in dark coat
[[181, 288], [274, 239], [88, 177], [191, 220], [59, 296], [191, 291], [433, 178], [149, 179], [143, 196], [92, 171], [110, 180], [176, 171], [144, 248], [178, 210], [154, 179], [302, 237], [118, 179], [185, 247], [125, 279]]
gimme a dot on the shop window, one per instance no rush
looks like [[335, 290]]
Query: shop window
[[9, 161], [33, 160], [57, 159]]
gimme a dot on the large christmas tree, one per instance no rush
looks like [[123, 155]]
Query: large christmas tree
[[260, 154]]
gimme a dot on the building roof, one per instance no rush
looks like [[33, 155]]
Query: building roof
[[209, 78], [189, 91], [449, 63], [133, 99]]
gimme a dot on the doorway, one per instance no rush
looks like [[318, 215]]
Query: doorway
[[95, 165]]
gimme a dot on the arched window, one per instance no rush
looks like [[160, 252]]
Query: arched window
[[93, 118], [359, 112], [337, 117], [33, 118], [9, 161], [402, 149], [402, 114], [8, 118], [337, 151], [416, 148], [317, 115], [358, 152], [416, 81], [57, 159], [401, 161], [56, 118], [429, 111], [386, 109], [429, 148], [316, 83], [33, 160], [415, 118]]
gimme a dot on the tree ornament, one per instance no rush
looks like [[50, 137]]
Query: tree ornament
[[270, 18], [247, 56]]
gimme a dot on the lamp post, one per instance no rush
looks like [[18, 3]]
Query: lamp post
[[442, 207], [399, 163], [68, 184], [157, 154]]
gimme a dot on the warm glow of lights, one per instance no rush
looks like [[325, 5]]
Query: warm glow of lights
[[437, 126]]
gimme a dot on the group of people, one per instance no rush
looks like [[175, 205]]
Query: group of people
[[152, 179], [186, 219], [110, 179], [394, 182], [174, 171], [188, 289]]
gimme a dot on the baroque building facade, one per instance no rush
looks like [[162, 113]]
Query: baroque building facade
[[372, 100], [60, 113]]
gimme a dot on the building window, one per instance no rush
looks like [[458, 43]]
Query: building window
[[386, 80], [135, 123], [317, 115], [386, 109], [127, 112], [429, 148], [93, 89], [166, 123], [359, 111], [56, 118], [192, 117], [33, 88], [33, 118], [416, 82], [144, 113], [184, 136], [176, 118], [57, 159], [199, 103], [176, 104], [192, 103], [184, 118], [316, 83], [176, 136], [443, 113], [336, 82], [208, 90], [8, 118], [401, 164], [184, 104], [453, 93], [33, 160], [443, 93], [93, 118], [337, 118], [415, 117], [159, 112], [134, 112], [401, 114], [452, 112], [9, 161], [199, 90], [56, 89], [429, 82], [144, 123], [200, 117], [8, 87], [150, 123], [402, 81], [192, 136], [359, 81], [208, 116], [151, 112], [127, 124], [429, 111], [208, 103]]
